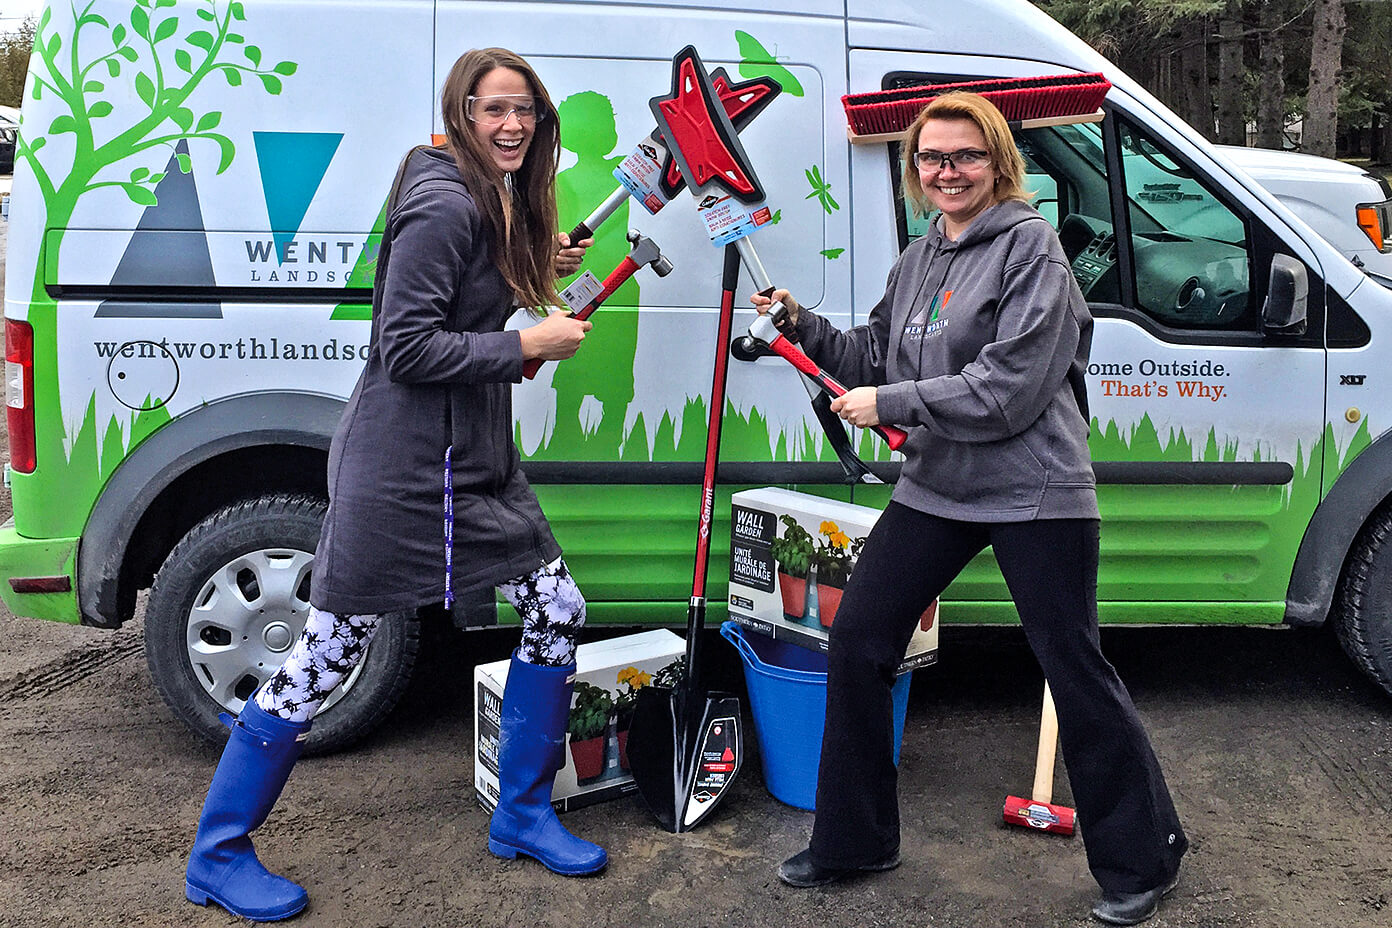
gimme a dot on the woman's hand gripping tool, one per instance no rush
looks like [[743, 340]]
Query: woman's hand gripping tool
[[644, 252]]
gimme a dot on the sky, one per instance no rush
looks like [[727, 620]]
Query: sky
[[12, 12]]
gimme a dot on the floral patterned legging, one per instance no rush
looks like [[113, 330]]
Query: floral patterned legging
[[550, 604]]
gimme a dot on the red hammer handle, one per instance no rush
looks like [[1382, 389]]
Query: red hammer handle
[[626, 269], [789, 352]]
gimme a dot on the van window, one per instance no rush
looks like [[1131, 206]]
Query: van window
[[1190, 252]]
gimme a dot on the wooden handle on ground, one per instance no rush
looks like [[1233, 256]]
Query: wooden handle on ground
[[1048, 744]]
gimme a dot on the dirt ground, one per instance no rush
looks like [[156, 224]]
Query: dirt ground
[[1279, 755]]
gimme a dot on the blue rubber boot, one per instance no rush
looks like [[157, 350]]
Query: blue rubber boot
[[531, 742], [223, 867]]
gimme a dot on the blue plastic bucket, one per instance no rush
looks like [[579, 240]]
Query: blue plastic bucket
[[787, 696]]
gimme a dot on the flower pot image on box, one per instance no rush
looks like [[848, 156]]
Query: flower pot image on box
[[834, 558], [589, 721], [631, 680], [793, 553]]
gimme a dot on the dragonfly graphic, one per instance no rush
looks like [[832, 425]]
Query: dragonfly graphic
[[820, 189]]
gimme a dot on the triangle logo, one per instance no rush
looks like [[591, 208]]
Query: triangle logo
[[169, 243], [292, 166]]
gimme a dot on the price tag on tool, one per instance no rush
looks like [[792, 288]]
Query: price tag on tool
[[581, 291]]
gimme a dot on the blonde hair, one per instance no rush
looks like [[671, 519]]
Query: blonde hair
[[1000, 144]]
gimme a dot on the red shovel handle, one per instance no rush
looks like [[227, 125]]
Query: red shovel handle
[[626, 269], [789, 352]]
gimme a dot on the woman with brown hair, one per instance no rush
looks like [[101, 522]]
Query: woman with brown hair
[[426, 497], [978, 349]]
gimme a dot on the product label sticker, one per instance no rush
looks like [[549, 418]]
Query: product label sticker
[[641, 174], [727, 219], [581, 291]]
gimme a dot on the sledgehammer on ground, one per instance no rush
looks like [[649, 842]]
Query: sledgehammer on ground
[[1039, 812]]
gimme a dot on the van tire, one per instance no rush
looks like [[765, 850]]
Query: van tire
[[1363, 604], [285, 527]]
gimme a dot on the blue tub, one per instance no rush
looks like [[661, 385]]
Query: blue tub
[[787, 697]]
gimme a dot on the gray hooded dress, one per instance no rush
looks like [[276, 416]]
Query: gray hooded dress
[[439, 371]]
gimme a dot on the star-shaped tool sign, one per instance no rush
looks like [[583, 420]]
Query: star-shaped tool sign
[[699, 134], [742, 102]]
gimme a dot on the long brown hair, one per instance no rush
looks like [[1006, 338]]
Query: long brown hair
[[1000, 144], [523, 235]]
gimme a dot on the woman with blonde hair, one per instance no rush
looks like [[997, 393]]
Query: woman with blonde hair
[[426, 497], [978, 349]]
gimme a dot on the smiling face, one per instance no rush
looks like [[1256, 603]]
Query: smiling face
[[506, 141], [960, 193]]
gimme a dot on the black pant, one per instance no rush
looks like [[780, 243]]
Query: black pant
[[1128, 821]]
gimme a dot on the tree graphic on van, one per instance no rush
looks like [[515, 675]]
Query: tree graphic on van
[[164, 57], [164, 87]]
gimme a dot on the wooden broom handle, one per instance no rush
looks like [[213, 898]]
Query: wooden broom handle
[[1048, 744]]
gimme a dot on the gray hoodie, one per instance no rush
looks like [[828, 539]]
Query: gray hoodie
[[976, 346]]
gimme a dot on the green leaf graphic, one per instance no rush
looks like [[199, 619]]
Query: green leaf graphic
[[757, 62], [140, 195], [145, 88]]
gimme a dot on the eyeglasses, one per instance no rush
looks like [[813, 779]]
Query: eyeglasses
[[494, 109], [964, 159]]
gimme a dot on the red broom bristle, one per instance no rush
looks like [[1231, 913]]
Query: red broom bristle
[[1017, 98]]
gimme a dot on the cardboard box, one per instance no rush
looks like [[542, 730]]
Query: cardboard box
[[596, 767], [765, 597]]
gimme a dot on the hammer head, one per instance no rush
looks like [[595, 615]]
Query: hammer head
[[645, 251], [1041, 816]]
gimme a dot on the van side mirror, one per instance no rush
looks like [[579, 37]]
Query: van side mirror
[[1284, 312]]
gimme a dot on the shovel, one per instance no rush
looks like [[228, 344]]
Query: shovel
[[685, 744]]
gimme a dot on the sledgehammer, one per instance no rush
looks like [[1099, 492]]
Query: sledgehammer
[[1039, 812]]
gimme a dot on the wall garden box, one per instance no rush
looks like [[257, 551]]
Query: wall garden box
[[607, 679], [790, 556]]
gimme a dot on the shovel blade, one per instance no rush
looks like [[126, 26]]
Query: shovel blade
[[684, 751]]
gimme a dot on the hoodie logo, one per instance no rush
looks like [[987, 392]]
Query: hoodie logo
[[925, 323]]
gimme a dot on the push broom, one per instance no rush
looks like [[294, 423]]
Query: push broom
[[1025, 102], [1040, 812]]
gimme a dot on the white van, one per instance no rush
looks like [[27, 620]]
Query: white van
[[196, 203], [1349, 206]]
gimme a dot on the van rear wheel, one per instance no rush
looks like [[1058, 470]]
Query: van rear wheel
[[229, 603], [1363, 614]]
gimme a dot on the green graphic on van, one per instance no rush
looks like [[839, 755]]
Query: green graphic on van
[[821, 190], [171, 56], [595, 389], [757, 61]]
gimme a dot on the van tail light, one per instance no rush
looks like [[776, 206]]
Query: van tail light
[[19, 394], [1370, 221]]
